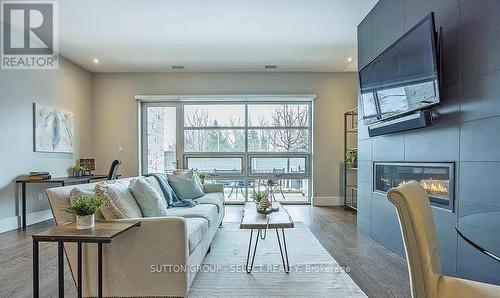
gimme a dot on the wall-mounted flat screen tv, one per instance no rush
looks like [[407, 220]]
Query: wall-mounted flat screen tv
[[404, 78]]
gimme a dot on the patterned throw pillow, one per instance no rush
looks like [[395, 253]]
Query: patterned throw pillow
[[85, 193], [118, 201], [78, 193], [108, 208], [149, 200], [186, 184]]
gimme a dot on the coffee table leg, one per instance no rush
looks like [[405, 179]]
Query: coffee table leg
[[286, 266], [249, 268]]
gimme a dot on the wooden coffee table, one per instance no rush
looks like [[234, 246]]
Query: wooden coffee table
[[276, 220]]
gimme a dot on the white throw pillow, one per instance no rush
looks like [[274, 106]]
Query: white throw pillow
[[149, 200]]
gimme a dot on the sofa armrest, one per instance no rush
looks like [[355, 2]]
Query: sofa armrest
[[140, 261], [213, 187]]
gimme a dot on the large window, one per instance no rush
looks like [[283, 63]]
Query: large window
[[237, 144]]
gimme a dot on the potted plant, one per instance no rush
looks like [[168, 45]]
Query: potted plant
[[351, 159], [202, 176], [84, 209], [79, 171], [271, 185], [261, 199]]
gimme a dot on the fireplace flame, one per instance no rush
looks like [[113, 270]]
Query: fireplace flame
[[432, 186]]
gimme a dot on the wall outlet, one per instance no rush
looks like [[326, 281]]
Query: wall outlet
[[120, 148], [41, 196]]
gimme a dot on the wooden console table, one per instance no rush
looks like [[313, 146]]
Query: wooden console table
[[62, 181], [103, 232]]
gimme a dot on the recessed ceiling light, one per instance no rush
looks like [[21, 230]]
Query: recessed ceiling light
[[177, 67], [349, 59], [96, 61], [271, 66]]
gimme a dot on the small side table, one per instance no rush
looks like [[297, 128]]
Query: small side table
[[103, 232]]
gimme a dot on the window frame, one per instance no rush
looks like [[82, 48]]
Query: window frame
[[304, 175], [189, 155], [246, 155]]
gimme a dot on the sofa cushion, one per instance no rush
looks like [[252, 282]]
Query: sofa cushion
[[108, 208], [169, 193], [188, 173], [206, 211], [186, 184], [154, 183], [119, 202], [214, 198], [77, 192], [196, 229], [148, 199]]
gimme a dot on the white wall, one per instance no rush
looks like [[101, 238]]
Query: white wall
[[106, 117], [116, 110], [68, 88]]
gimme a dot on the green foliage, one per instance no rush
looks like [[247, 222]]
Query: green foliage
[[351, 158], [259, 195], [84, 205], [79, 168], [218, 140], [202, 175]]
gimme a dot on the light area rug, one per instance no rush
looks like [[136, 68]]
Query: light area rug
[[313, 271]]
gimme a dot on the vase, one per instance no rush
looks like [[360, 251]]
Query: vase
[[85, 222]]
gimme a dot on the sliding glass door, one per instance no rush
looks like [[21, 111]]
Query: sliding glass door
[[237, 144]]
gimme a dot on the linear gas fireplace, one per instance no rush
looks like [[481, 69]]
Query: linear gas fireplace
[[436, 178]]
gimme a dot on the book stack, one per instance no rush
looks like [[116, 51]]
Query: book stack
[[39, 176]]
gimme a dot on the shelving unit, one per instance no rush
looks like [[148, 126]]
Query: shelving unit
[[350, 173]]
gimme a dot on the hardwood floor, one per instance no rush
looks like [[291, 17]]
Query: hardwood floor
[[378, 271]]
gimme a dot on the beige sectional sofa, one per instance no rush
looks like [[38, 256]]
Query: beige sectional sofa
[[157, 259]]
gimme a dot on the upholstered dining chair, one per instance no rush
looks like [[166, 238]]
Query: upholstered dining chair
[[422, 250]]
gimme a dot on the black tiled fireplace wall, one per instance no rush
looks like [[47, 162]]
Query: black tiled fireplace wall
[[467, 130]]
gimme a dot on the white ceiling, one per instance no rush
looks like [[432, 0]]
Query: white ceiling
[[209, 35]]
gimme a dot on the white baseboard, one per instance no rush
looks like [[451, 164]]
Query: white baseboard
[[14, 222], [327, 201]]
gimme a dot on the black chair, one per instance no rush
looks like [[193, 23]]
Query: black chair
[[113, 170]]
